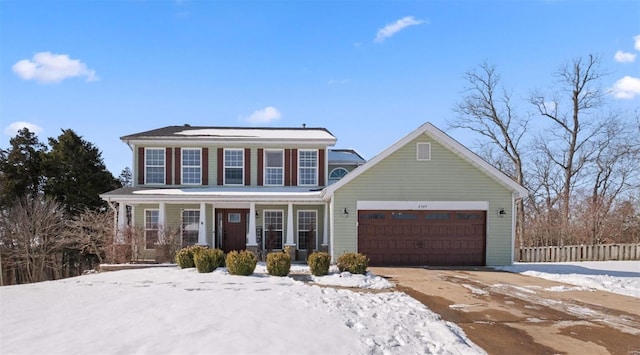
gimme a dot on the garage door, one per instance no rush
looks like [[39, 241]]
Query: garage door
[[413, 238]]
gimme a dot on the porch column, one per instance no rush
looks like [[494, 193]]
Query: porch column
[[325, 232], [251, 234], [290, 226], [202, 227], [161, 222], [122, 221]]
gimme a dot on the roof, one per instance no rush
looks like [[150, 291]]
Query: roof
[[217, 193], [235, 134], [448, 142], [345, 156]]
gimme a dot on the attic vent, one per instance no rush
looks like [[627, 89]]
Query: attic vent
[[423, 151]]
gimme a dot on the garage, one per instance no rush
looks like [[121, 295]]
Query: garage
[[422, 237]]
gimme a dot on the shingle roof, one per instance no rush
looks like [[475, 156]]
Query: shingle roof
[[232, 132], [345, 156]]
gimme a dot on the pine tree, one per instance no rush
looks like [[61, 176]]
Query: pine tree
[[76, 174], [21, 168]]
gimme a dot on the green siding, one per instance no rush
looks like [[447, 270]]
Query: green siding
[[446, 177]]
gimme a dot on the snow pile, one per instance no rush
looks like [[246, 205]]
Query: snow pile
[[622, 277], [171, 311], [347, 279]]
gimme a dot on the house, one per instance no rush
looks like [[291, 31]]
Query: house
[[425, 200]]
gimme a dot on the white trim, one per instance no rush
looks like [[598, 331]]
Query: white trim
[[513, 228], [424, 205], [300, 167], [224, 166], [264, 167], [182, 166], [440, 137], [164, 166]]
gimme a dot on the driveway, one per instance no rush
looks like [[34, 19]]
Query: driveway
[[508, 313]]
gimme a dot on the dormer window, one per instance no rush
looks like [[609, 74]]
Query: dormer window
[[233, 166], [154, 165]]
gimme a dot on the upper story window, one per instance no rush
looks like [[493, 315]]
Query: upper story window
[[274, 167], [154, 165], [337, 174], [191, 166], [308, 167], [233, 166]]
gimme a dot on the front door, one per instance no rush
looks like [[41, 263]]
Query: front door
[[233, 235]]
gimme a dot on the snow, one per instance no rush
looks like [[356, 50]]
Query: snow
[[253, 133], [621, 277], [167, 310]]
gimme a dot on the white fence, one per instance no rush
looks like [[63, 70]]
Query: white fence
[[601, 252]]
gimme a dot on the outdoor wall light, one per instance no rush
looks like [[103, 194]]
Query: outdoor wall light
[[345, 212], [501, 212]]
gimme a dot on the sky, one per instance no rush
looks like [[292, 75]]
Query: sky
[[368, 71]]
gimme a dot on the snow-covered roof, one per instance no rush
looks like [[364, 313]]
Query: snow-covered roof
[[291, 135]]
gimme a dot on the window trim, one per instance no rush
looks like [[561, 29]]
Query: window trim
[[224, 166], [264, 168], [182, 224], [298, 230], [146, 228], [182, 166], [164, 166], [300, 167], [418, 145], [265, 228]]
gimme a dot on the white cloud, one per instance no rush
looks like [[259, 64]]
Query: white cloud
[[626, 88], [47, 67], [636, 42], [624, 57], [265, 115], [12, 129], [393, 28]]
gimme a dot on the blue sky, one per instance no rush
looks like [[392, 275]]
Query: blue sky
[[369, 71]]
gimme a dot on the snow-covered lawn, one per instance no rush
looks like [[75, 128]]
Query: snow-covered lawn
[[622, 277], [172, 311]]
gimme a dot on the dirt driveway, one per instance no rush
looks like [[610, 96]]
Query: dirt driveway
[[507, 313]]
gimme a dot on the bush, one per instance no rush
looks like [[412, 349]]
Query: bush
[[278, 263], [354, 263], [184, 257], [319, 263], [208, 260], [241, 263]]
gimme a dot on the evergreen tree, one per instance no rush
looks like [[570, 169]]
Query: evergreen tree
[[126, 177], [76, 174], [21, 168]]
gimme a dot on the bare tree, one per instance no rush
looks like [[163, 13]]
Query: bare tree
[[569, 142], [486, 109]]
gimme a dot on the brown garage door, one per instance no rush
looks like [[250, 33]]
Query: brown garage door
[[412, 238]]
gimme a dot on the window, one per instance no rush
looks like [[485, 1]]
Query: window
[[273, 229], [337, 174], [469, 216], [372, 215], [190, 227], [308, 167], [191, 170], [404, 215], [306, 229], [423, 151], [435, 216], [233, 167], [151, 218], [234, 218], [274, 167], [154, 165]]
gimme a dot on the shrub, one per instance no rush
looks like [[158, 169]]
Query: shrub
[[241, 263], [184, 257], [278, 263], [354, 263], [319, 263], [208, 260]]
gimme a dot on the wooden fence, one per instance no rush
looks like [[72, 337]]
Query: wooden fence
[[601, 252]]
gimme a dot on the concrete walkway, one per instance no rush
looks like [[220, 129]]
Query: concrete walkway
[[507, 313]]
